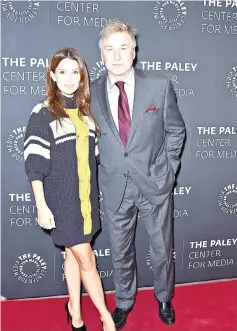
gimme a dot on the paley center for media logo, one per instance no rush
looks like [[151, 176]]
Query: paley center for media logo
[[20, 11], [170, 15], [15, 143], [102, 214], [97, 70], [29, 268], [231, 81], [227, 199], [149, 262]]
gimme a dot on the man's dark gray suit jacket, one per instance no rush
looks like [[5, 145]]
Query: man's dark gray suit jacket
[[152, 154]]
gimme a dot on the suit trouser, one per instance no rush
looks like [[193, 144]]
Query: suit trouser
[[158, 222]]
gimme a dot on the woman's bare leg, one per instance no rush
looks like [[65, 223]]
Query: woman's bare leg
[[73, 278], [92, 282]]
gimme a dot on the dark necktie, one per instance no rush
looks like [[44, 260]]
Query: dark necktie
[[124, 119]]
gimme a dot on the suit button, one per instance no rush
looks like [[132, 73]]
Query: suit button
[[126, 154]]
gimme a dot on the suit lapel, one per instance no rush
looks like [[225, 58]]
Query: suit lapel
[[141, 94], [105, 107]]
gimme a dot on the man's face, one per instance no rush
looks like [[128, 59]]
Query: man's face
[[118, 53]]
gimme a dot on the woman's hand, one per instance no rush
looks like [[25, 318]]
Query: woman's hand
[[45, 217]]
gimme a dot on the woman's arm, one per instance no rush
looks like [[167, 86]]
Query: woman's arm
[[37, 163]]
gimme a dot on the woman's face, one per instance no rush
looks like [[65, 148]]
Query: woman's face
[[67, 76]]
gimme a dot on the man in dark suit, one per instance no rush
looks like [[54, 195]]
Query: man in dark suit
[[142, 133]]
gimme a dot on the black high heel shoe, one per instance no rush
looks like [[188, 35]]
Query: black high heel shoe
[[69, 319]]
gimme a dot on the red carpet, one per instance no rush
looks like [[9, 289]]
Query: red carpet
[[200, 307]]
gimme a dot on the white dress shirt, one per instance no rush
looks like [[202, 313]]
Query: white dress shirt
[[113, 94]]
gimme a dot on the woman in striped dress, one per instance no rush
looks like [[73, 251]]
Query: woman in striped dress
[[60, 151]]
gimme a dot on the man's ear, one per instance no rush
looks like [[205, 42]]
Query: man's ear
[[134, 53], [52, 76]]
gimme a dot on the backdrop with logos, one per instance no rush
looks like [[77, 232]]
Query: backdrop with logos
[[194, 43]]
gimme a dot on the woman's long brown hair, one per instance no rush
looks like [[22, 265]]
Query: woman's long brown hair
[[82, 95]]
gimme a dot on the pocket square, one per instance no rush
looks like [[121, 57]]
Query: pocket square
[[150, 109]]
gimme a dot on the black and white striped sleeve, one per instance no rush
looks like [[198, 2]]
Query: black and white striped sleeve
[[37, 148]]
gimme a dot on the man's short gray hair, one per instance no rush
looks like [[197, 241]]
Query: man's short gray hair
[[115, 25]]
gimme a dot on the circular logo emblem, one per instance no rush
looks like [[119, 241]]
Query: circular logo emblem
[[148, 259], [29, 268], [97, 70], [231, 81], [170, 15], [15, 143], [100, 196], [102, 214], [20, 11], [227, 199]]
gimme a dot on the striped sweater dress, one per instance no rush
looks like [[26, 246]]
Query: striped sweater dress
[[51, 153]]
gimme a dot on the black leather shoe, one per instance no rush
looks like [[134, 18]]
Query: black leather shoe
[[166, 312], [120, 317]]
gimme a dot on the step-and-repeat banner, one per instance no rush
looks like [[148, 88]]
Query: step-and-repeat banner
[[194, 43]]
